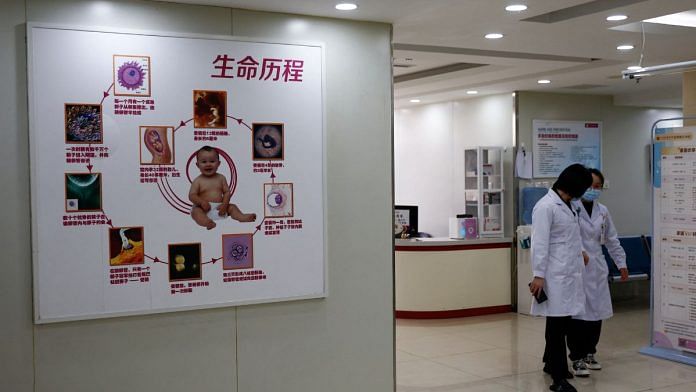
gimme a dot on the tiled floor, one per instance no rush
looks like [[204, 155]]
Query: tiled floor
[[502, 353]]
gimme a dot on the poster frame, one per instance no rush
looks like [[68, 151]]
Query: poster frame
[[535, 155], [33, 135], [651, 350]]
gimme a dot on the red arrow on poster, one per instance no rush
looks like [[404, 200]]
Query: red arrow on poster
[[239, 121], [155, 260], [183, 124], [108, 221], [212, 261], [106, 93]]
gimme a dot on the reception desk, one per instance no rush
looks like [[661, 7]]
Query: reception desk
[[445, 278]]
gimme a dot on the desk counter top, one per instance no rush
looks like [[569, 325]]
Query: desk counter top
[[449, 244]]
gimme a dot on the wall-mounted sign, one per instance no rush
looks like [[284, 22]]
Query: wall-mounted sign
[[173, 172], [558, 144]]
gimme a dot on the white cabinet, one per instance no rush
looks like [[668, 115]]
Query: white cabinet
[[483, 188]]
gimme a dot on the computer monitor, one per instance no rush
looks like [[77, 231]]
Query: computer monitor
[[405, 216]]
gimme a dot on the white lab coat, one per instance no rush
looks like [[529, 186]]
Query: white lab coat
[[557, 257], [594, 230]]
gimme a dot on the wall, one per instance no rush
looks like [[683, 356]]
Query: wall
[[429, 143], [625, 148], [342, 343]]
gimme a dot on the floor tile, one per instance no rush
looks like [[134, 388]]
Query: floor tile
[[492, 363], [441, 345], [427, 374], [502, 353], [402, 356], [689, 387]]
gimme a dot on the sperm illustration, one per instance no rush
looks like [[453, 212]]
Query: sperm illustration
[[125, 244]]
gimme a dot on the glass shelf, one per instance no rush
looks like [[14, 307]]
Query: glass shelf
[[483, 188]]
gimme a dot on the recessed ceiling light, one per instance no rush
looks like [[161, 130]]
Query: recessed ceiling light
[[414, 100], [472, 92], [516, 7], [494, 36], [346, 6], [543, 81], [624, 47], [634, 68], [616, 18]]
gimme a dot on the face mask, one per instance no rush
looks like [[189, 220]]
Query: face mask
[[591, 194]]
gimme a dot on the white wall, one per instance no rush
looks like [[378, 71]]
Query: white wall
[[625, 148], [342, 343], [423, 166], [429, 144]]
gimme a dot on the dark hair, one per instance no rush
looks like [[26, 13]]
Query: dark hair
[[208, 149], [574, 180], [597, 173]]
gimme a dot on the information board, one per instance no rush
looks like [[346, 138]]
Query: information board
[[674, 244], [558, 144], [173, 172]]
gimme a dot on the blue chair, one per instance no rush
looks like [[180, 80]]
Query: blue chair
[[528, 199], [638, 260]]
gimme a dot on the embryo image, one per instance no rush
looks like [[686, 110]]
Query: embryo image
[[237, 251], [185, 261], [268, 141], [278, 200], [157, 145], [209, 109]]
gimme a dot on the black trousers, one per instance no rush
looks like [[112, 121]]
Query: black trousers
[[557, 328], [583, 338]]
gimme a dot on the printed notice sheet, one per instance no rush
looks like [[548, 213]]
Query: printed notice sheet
[[674, 262], [558, 144]]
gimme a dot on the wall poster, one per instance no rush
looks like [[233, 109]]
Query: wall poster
[[558, 144], [674, 244], [173, 172]]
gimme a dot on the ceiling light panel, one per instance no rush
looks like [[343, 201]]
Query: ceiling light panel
[[516, 7], [684, 19], [346, 6]]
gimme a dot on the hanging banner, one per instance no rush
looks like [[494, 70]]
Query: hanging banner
[[674, 245], [173, 172], [558, 144]]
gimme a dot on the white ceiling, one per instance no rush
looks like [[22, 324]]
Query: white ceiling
[[436, 33]]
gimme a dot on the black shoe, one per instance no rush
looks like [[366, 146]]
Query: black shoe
[[562, 386], [568, 375]]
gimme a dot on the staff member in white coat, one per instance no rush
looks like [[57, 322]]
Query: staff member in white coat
[[596, 229], [557, 264]]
